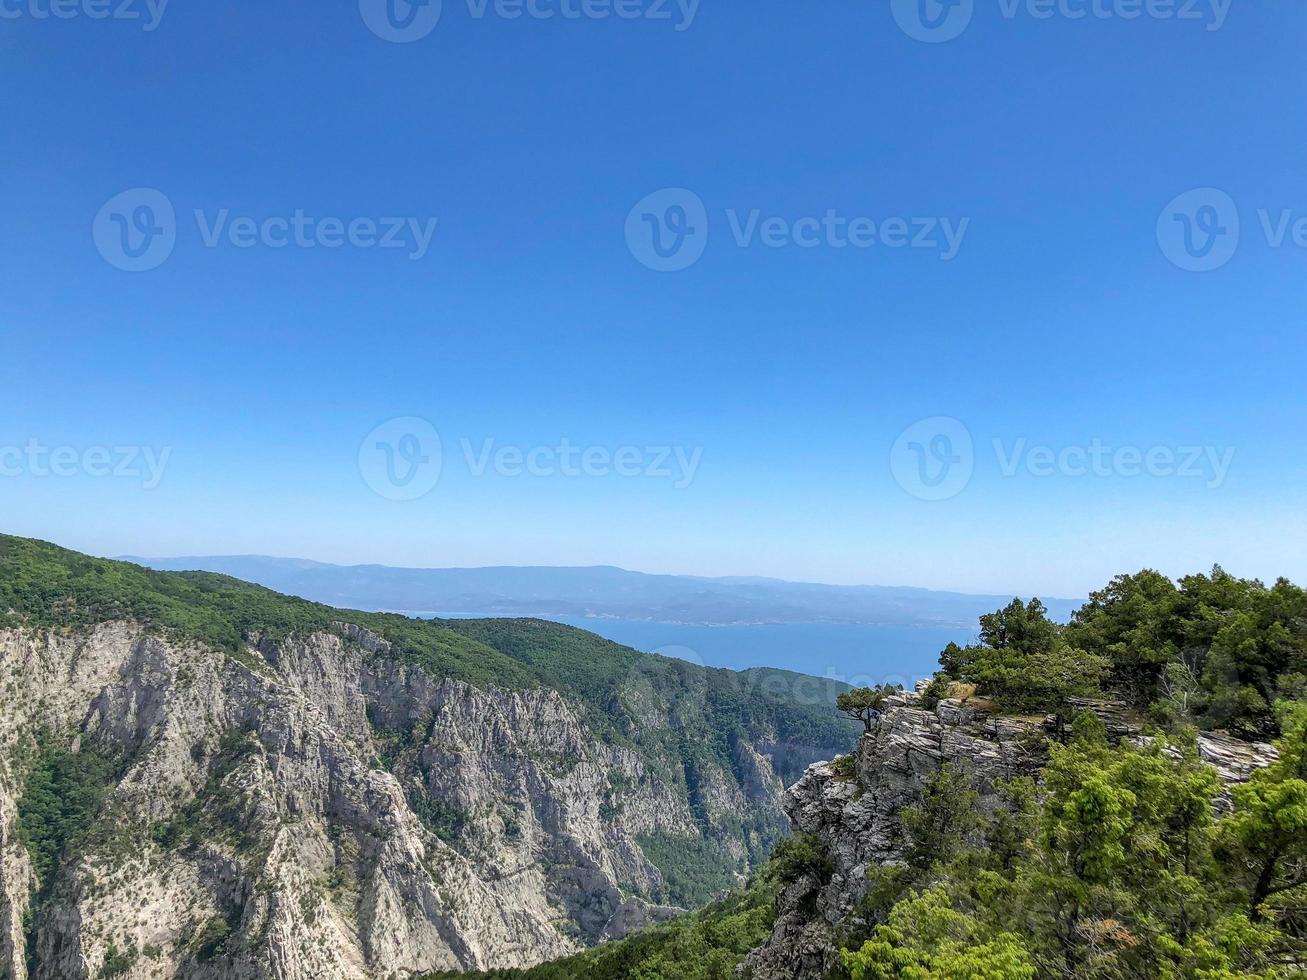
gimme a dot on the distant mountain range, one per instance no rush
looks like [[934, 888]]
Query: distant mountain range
[[600, 591]]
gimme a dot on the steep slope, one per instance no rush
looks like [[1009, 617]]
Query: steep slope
[[201, 778], [848, 820]]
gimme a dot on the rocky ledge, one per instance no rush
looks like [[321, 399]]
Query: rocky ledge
[[853, 809]]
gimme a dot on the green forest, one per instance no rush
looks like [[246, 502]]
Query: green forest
[[1212, 651]]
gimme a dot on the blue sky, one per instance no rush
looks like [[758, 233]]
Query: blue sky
[[1065, 324]]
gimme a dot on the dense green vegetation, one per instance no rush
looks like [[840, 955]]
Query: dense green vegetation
[[695, 870], [1212, 650], [61, 797], [707, 945], [1117, 866], [1023, 662]]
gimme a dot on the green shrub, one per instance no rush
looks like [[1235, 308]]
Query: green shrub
[[211, 940], [935, 692], [845, 768], [117, 962], [798, 856]]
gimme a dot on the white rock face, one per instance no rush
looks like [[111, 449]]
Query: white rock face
[[258, 792]]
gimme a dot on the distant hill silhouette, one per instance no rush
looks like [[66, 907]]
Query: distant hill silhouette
[[601, 591]]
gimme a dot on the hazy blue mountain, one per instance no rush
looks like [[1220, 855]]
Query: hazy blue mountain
[[600, 591]]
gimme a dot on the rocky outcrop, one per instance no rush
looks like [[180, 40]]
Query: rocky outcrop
[[854, 811], [315, 808]]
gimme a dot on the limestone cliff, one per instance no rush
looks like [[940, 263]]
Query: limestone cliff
[[316, 808]]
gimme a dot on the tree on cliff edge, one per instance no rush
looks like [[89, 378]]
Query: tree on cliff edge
[[866, 703]]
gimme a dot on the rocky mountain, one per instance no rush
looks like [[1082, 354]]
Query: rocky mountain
[[200, 778], [853, 810]]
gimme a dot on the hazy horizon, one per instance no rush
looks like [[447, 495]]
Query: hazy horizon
[[127, 556], [103, 545]]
